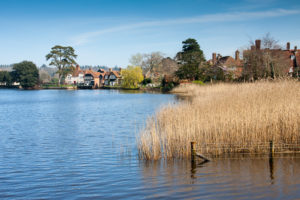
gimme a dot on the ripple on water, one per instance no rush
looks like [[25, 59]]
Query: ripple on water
[[81, 145]]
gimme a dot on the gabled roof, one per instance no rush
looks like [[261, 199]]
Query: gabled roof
[[102, 73], [77, 71], [286, 58], [224, 59], [116, 73], [106, 73], [228, 61], [101, 70], [92, 73]]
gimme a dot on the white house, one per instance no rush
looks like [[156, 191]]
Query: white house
[[76, 78]]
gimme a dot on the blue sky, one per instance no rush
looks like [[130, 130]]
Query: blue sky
[[108, 32]]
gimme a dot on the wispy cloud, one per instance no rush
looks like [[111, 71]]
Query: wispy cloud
[[220, 17]]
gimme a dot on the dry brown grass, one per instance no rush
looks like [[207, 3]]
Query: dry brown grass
[[225, 118]]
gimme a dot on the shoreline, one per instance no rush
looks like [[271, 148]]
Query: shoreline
[[87, 88], [225, 119]]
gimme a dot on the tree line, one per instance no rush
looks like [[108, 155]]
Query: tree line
[[25, 73], [267, 61], [192, 66]]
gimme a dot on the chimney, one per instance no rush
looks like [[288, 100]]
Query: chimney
[[120, 69], [288, 46], [214, 58], [237, 55], [257, 44], [110, 69], [252, 48], [295, 49]]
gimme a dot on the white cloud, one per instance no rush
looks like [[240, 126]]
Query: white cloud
[[220, 17]]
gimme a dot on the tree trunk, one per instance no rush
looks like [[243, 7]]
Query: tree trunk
[[59, 79]]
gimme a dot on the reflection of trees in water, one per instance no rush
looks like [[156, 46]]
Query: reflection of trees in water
[[183, 98], [167, 176], [243, 176], [124, 91]]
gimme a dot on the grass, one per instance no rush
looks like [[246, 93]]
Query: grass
[[56, 86], [198, 82], [225, 119]]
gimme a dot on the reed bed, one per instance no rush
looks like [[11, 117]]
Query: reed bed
[[224, 119]]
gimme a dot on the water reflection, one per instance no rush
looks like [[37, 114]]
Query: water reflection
[[247, 177], [196, 164], [183, 98], [271, 166], [139, 91], [65, 145]]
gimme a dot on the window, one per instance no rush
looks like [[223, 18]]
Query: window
[[112, 77]]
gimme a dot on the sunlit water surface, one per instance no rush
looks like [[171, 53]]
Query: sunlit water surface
[[58, 144]]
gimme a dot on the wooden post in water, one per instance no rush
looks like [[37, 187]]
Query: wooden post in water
[[193, 150], [194, 154]]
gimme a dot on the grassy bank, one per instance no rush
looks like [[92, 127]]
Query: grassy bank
[[49, 86], [225, 118], [119, 88]]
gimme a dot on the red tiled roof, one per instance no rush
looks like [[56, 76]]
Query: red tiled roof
[[77, 71], [116, 73], [102, 73], [93, 73], [228, 61]]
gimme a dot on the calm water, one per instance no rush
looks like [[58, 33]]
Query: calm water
[[81, 145]]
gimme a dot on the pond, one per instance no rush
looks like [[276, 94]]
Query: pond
[[59, 144]]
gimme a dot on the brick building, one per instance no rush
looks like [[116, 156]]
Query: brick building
[[283, 62]]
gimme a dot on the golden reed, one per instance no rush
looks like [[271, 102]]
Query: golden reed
[[224, 118]]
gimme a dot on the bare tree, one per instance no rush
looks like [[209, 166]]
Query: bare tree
[[152, 61], [268, 61], [269, 42], [147, 61], [136, 59], [44, 76]]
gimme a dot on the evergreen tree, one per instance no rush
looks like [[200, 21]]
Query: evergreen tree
[[189, 59], [191, 53], [63, 58], [5, 77], [26, 73]]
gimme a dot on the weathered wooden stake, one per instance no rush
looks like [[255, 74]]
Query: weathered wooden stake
[[193, 150], [194, 154]]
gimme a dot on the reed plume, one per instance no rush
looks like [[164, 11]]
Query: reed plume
[[225, 118]]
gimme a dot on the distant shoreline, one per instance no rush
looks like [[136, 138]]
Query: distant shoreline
[[84, 88]]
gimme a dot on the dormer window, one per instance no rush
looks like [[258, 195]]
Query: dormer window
[[112, 76]]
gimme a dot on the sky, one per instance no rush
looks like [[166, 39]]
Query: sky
[[109, 32]]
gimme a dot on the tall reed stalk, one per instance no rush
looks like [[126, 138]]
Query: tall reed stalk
[[225, 118]]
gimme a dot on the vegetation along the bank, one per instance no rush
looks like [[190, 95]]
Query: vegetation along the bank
[[25, 73], [224, 119], [263, 59]]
